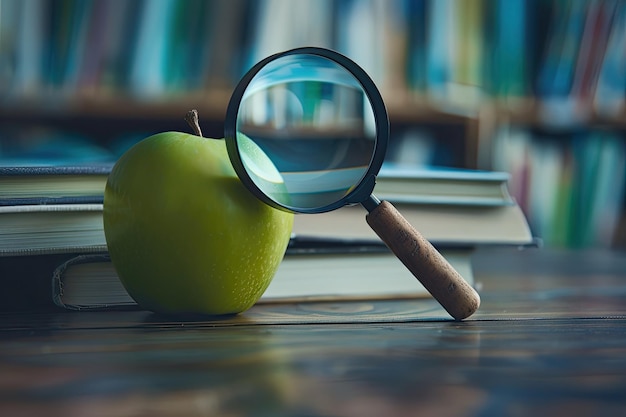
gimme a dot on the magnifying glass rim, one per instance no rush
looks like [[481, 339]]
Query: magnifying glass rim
[[366, 186]]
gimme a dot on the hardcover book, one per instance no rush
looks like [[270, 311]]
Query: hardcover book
[[55, 228], [349, 271], [20, 185]]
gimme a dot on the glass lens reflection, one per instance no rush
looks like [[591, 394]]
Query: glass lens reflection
[[313, 120]]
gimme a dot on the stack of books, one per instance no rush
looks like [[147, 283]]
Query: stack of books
[[52, 237]]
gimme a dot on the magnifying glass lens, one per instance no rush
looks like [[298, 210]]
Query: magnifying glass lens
[[315, 123]]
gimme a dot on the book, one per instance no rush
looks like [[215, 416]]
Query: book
[[51, 228], [347, 272], [592, 48], [610, 94], [558, 63], [441, 224], [508, 73], [24, 184], [400, 183]]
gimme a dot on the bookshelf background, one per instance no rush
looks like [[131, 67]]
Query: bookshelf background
[[534, 87]]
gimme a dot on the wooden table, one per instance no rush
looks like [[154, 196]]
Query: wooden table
[[549, 339]]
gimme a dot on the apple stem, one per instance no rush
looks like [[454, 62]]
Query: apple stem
[[193, 120]]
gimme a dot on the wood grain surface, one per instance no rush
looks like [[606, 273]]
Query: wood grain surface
[[549, 339]]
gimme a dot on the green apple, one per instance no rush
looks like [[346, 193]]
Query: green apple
[[183, 232]]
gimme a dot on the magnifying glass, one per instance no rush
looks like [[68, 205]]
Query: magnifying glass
[[307, 131]]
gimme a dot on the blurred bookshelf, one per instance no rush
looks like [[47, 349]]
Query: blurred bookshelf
[[533, 87]]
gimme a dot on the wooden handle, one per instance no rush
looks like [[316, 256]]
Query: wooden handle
[[434, 272]]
